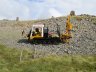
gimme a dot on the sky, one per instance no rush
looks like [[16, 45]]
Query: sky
[[42, 9]]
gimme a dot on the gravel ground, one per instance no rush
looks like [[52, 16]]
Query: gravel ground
[[83, 41]]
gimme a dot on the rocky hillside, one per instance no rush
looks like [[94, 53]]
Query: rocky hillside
[[82, 42]]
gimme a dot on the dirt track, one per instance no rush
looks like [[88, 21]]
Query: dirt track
[[83, 41]]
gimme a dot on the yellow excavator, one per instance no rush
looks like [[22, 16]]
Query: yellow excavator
[[39, 31]]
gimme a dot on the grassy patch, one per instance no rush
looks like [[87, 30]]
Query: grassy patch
[[94, 20], [9, 62]]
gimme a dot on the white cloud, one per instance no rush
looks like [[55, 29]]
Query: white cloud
[[11, 9], [31, 9]]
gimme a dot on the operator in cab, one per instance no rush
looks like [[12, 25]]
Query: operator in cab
[[37, 32]]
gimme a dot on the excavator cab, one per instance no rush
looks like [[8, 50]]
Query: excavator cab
[[36, 32]]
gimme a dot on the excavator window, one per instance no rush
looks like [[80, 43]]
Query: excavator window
[[37, 32]]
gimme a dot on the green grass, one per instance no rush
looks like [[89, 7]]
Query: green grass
[[10, 62]]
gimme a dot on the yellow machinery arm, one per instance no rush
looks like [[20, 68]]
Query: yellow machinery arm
[[68, 26], [67, 35]]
